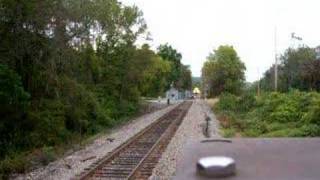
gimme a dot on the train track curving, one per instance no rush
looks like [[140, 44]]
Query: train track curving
[[136, 158]]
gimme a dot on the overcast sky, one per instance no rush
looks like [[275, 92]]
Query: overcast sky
[[196, 27]]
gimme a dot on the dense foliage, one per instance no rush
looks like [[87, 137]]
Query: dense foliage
[[293, 114], [154, 71], [70, 68], [293, 111], [223, 72], [298, 69], [180, 75]]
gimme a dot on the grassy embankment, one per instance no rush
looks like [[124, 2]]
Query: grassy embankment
[[293, 114]]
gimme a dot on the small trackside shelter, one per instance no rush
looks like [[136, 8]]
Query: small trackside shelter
[[172, 94]]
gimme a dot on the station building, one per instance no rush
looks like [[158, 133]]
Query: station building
[[172, 94]]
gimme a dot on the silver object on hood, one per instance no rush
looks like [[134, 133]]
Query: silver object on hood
[[216, 166]]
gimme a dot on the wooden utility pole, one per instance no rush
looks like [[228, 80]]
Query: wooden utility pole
[[258, 88], [276, 61]]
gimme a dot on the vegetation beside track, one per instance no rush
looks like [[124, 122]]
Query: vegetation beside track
[[261, 109], [70, 69], [273, 114]]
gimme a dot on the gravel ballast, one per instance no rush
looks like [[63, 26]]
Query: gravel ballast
[[75, 163], [190, 129]]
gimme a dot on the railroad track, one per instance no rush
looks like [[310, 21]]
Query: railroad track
[[136, 158]]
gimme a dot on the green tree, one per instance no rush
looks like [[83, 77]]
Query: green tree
[[293, 60], [14, 101], [185, 81], [311, 74], [170, 54], [223, 72], [298, 70], [67, 68], [152, 70]]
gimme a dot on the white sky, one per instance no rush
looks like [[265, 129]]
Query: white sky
[[196, 27]]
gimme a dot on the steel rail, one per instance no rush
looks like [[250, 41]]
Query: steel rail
[[134, 144]]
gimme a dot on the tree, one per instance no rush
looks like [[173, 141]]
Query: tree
[[153, 72], [223, 72], [311, 74], [170, 54], [298, 69], [68, 68], [292, 62], [14, 101], [267, 82], [185, 81]]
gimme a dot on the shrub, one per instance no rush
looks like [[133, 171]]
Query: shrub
[[227, 102], [84, 113], [268, 103], [12, 93], [14, 102], [313, 114], [288, 132], [286, 112], [276, 126], [47, 155], [292, 114], [255, 127], [49, 123], [246, 102], [16, 163], [227, 133], [310, 130]]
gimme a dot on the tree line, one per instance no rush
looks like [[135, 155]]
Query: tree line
[[72, 67], [259, 109], [224, 72], [298, 69]]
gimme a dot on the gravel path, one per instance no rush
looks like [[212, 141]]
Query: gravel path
[[190, 129], [73, 164]]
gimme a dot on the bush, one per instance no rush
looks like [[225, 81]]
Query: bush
[[246, 102], [12, 93], [310, 130], [275, 126], [48, 123], [14, 101], [288, 132], [227, 102], [16, 163], [285, 112], [227, 133], [293, 114], [46, 155], [313, 113]]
